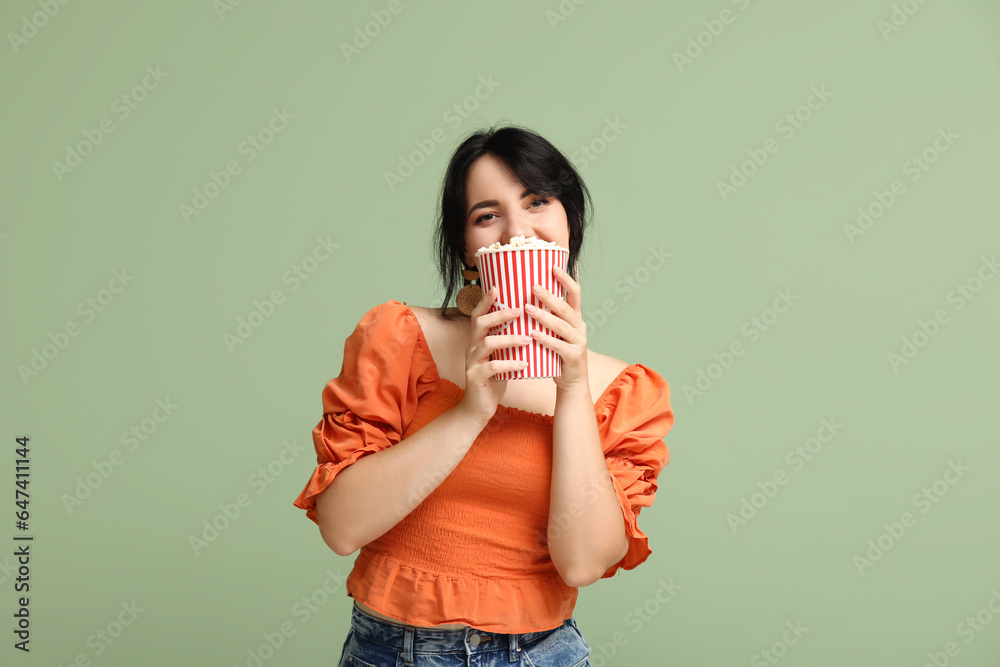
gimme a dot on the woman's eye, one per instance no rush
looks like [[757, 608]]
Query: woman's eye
[[485, 217]]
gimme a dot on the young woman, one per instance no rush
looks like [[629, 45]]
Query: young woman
[[481, 506]]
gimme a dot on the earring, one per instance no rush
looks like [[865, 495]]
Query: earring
[[469, 296]]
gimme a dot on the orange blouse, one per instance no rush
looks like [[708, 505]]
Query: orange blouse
[[474, 550]]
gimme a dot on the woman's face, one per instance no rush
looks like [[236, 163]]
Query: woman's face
[[498, 208]]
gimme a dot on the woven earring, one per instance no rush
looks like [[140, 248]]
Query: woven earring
[[469, 296]]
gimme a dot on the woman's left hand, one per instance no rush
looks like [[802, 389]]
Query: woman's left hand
[[566, 320]]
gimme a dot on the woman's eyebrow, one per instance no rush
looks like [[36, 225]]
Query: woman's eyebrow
[[494, 202]]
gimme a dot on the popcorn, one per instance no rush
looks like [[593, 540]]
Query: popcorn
[[513, 269], [517, 242]]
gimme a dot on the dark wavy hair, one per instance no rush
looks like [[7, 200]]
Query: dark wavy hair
[[537, 164]]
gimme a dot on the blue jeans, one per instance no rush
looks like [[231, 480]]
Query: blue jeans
[[373, 642]]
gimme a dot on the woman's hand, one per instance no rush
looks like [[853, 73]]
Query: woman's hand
[[566, 320], [482, 391]]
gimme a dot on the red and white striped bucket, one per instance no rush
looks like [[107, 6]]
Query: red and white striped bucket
[[515, 272]]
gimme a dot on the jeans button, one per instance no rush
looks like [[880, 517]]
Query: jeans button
[[474, 640]]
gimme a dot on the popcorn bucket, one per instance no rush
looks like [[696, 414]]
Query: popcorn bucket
[[515, 272]]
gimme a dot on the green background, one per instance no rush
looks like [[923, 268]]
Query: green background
[[656, 184]]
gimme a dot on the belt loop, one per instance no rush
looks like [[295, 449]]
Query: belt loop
[[513, 647], [408, 645]]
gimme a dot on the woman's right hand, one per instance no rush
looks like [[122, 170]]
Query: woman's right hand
[[482, 391]]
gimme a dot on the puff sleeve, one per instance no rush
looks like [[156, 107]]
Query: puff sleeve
[[369, 405], [632, 424]]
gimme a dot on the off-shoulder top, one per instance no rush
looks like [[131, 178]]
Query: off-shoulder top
[[474, 551]]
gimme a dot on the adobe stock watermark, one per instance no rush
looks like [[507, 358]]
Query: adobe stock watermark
[[797, 457], [636, 619], [628, 285], [38, 20], [249, 148], [915, 166], [88, 310], [7, 570], [335, 584], [779, 648], [122, 107], [105, 636], [714, 27], [223, 7], [563, 11], [923, 500], [229, 512], [753, 329], [135, 436], [969, 628], [381, 18], [898, 17], [454, 115], [787, 126], [295, 276], [926, 330], [587, 154]]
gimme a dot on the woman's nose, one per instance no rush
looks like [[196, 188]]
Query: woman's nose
[[516, 227]]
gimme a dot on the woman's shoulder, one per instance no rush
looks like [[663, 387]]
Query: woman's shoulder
[[434, 313], [386, 326], [435, 326], [431, 312], [445, 338], [390, 336], [608, 363], [632, 387], [384, 316], [606, 368]]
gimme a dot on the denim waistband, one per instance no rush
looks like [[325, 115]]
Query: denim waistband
[[410, 638]]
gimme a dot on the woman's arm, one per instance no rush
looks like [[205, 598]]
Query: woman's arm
[[586, 532], [374, 493], [584, 538]]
